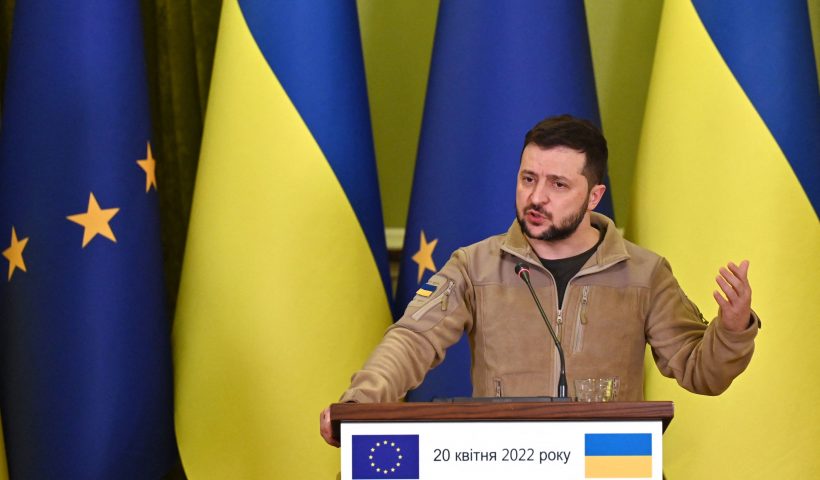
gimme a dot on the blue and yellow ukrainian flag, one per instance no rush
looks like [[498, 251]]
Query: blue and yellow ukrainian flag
[[85, 362], [497, 69], [729, 168], [284, 283], [618, 455]]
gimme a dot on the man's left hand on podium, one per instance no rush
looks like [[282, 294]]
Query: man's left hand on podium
[[326, 429]]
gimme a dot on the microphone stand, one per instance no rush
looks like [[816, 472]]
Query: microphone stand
[[524, 273]]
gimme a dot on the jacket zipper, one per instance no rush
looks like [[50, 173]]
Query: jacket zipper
[[559, 321], [556, 358], [581, 321], [442, 300]]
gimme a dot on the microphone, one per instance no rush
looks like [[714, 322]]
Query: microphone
[[524, 272]]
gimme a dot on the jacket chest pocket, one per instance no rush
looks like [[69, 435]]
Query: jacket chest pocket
[[510, 334], [605, 318]]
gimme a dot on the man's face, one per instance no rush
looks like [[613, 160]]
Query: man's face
[[552, 196]]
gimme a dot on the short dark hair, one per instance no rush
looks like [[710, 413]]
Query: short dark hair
[[575, 133]]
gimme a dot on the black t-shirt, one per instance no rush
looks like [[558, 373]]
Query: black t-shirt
[[563, 269]]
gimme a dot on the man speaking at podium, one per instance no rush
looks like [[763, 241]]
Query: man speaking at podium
[[605, 297]]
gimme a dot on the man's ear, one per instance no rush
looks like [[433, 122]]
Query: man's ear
[[596, 193]]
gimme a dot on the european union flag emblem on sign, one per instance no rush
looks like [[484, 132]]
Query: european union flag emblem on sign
[[385, 456]]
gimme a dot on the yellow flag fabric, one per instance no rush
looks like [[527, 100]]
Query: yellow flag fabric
[[718, 179], [281, 297]]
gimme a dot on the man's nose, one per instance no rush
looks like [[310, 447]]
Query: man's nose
[[540, 195]]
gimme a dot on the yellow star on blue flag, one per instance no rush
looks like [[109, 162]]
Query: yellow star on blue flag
[[424, 257], [14, 254]]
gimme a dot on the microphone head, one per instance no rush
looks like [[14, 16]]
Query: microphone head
[[522, 270]]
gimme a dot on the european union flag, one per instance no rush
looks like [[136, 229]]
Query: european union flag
[[85, 362], [385, 456], [527, 60]]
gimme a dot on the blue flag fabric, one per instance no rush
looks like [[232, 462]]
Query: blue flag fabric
[[85, 368], [497, 69]]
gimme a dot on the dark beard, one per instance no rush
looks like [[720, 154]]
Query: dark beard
[[554, 232]]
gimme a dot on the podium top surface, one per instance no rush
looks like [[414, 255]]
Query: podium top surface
[[506, 411]]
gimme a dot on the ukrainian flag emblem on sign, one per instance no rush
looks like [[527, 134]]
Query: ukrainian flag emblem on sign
[[618, 455]]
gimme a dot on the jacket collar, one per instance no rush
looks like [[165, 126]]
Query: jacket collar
[[612, 249]]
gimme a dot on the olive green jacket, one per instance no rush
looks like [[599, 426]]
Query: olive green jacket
[[622, 298]]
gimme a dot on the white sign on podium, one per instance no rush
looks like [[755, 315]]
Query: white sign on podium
[[493, 450]]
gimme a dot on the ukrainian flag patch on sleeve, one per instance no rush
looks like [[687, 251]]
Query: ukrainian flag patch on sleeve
[[426, 290]]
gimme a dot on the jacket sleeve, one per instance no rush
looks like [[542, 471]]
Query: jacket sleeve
[[418, 341], [703, 357]]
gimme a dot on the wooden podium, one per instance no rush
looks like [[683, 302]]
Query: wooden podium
[[506, 439]]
